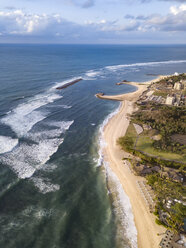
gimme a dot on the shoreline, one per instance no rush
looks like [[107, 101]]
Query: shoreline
[[116, 127]]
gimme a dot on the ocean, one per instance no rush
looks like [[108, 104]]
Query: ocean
[[56, 190]]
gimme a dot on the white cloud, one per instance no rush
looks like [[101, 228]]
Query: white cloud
[[175, 20], [17, 21], [83, 3], [89, 22], [176, 10]]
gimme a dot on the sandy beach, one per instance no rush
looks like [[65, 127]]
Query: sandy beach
[[144, 220]]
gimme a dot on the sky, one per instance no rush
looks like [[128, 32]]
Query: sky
[[93, 21]]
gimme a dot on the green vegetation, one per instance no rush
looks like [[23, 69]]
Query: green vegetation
[[167, 120], [146, 151], [165, 190], [173, 79], [145, 144], [162, 144], [127, 142], [160, 223], [160, 93], [178, 78], [152, 161]]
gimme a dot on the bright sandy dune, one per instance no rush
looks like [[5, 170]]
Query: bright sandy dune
[[116, 127]]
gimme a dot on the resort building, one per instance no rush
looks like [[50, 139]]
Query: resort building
[[177, 86], [170, 100]]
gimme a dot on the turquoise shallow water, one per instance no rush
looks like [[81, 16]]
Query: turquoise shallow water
[[53, 190]]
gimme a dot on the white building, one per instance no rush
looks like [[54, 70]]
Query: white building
[[177, 86], [170, 100]]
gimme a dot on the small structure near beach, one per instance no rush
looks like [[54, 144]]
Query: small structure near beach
[[170, 100], [177, 86], [171, 240], [138, 128]]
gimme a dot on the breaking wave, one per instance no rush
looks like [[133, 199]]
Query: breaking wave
[[44, 185], [92, 74], [26, 115], [101, 142], [123, 209], [7, 144], [122, 205], [117, 67], [25, 159]]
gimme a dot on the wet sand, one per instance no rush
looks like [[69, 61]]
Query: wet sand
[[145, 221]]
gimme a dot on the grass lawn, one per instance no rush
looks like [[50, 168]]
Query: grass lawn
[[160, 93], [131, 132], [129, 139], [144, 144]]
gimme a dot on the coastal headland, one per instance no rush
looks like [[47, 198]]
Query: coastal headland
[[149, 233]]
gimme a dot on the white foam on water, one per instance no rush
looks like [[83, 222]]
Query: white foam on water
[[123, 206], [42, 152], [92, 73], [44, 185], [62, 125], [66, 106], [123, 209], [101, 142], [27, 158], [7, 144], [21, 123], [22, 168], [38, 212], [47, 213], [59, 127], [118, 67], [61, 106], [26, 115], [49, 167]]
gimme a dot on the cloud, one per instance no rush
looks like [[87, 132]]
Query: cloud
[[129, 17], [43, 27], [18, 22], [179, 1], [83, 3], [176, 10], [132, 17], [88, 4], [10, 8], [172, 22]]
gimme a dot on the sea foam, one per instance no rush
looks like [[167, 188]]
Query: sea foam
[[7, 144], [118, 67], [44, 185], [25, 159], [123, 209], [122, 205], [92, 74], [26, 115], [101, 142]]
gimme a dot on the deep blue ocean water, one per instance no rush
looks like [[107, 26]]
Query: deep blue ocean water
[[53, 189]]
